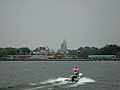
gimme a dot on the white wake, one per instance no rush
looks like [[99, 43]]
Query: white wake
[[54, 81], [60, 82], [49, 83], [82, 81]]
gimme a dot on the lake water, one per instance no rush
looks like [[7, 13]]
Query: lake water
[[51, 75]]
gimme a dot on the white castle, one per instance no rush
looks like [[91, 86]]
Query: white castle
[[63, 47]]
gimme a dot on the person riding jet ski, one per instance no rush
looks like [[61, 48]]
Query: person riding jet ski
[[76, 76], [76, 73]]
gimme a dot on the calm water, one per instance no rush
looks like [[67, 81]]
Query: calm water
[[51, 75]]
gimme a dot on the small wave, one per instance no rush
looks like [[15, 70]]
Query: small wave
[[48, 83], [54, 80], [82, 81], [32, 84], [51, 88], [36, 88]]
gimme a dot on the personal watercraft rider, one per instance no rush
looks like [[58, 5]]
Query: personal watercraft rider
[[76, 70], [76, 73]]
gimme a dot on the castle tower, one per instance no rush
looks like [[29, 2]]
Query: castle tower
[[64, 46]]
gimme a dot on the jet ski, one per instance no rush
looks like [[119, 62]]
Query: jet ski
[[74, 78]]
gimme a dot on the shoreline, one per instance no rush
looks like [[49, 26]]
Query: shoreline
[[63, 60]]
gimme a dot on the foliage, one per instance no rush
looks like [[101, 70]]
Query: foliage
[[110, 49], [3, 52], [24, 50], [83, 52], [13, 51], [118, 54]]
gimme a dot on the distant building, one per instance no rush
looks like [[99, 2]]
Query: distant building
[[17, 57], [63, 47], [102, 56], [24, 57], [35, 57], [44, 52]]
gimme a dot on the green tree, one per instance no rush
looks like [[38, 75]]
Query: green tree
[[109, 49], [118, 54], [3, 52], [24, 50], [11, 51]]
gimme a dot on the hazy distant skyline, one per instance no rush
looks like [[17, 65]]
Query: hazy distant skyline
[[34, 23]]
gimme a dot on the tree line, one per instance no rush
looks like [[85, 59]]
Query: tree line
[[14, 51], [83, 52]]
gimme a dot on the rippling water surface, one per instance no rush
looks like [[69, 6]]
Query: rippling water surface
[[51, 75]]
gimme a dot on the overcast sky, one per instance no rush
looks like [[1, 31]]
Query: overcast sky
[[34, 23]]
